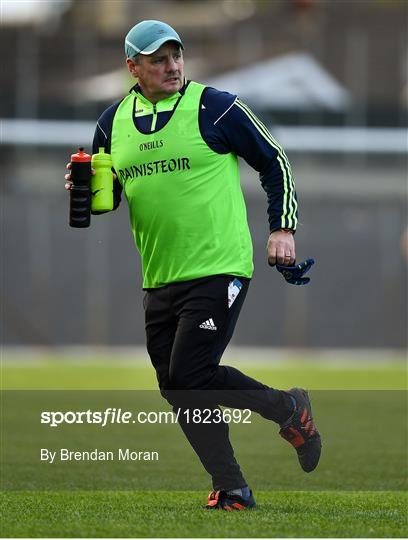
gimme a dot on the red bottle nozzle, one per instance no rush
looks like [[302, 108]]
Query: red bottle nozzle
[[81, 156]]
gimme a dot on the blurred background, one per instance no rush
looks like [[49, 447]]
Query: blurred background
[[329, 78]]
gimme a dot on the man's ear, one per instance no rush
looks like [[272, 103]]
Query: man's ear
[[132, 67]]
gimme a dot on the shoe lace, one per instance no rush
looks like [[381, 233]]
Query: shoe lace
[[307, 423], [301, 429]]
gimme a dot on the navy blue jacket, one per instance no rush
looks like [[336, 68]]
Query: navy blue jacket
[[228, 125]]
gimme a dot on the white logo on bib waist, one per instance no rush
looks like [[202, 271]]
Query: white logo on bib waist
[[208, 325]]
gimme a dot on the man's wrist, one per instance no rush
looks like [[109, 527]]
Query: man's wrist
[[291, 231]]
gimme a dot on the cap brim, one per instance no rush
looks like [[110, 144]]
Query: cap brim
[[158, 43]]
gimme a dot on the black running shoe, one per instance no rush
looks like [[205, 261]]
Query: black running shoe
[[222, 500], [301, 431]]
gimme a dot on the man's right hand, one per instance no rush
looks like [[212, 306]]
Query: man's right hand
[[68, 182]]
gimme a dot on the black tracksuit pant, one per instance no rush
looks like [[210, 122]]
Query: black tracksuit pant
[[188, 326]]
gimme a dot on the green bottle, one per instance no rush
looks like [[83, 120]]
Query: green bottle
[[102, 182]]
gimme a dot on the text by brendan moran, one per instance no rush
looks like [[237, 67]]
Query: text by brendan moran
[[120, 454]]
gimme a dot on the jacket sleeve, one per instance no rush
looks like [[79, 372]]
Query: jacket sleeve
[[102, 139], [238, 130]]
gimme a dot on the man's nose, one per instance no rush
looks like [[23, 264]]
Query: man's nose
[[172, 65]]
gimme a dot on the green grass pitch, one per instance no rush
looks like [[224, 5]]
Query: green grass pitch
[[318, 508]]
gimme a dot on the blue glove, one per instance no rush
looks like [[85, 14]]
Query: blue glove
[[294, 274]]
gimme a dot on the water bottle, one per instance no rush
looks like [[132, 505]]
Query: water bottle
[[80, 194], [102, 182]]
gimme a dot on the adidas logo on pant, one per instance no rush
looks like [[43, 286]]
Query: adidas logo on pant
[[208, 325]]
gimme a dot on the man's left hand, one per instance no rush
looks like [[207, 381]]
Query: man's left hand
[[281, 248]]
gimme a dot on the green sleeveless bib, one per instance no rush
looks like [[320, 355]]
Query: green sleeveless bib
[[186, 206]]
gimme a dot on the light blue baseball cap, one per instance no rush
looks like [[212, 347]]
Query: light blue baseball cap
[[148, 36]]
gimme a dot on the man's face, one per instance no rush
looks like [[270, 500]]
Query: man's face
[[160, 74]]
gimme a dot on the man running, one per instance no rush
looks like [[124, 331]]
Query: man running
[[175, 145]]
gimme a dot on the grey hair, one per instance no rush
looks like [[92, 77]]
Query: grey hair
[[135, 59]]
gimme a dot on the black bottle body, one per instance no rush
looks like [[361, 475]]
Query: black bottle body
[[80, 193]]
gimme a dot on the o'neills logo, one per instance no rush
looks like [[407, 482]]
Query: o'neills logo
[[150, 145], [154, 167]]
